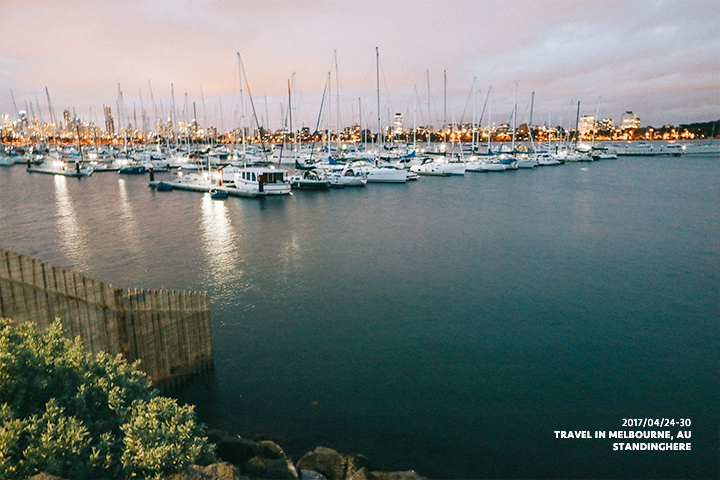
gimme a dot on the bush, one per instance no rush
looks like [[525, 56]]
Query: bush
[[67, 413]]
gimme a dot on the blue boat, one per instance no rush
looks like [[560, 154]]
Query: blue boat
[[133, 169], [218, 194]]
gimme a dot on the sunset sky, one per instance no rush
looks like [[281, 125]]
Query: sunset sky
[[659, 59]]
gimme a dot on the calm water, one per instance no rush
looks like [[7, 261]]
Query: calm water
[[449, 325]]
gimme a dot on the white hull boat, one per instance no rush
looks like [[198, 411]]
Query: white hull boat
[[382, 174], [261, 180]]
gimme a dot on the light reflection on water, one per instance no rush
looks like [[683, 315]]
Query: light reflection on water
[[130, 225], [220, 242], [72, 236]]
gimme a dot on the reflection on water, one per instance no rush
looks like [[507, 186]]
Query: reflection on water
[[130, 224], [219, 242], [71, 235]]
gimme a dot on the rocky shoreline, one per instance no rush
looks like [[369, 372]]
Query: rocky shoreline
[[244, 459]]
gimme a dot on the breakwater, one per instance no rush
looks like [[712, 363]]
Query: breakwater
[[169, 331]]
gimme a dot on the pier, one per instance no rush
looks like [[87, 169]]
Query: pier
[[169, 331], [231, 191]]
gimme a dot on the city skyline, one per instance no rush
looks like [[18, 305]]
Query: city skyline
[[437, 61]]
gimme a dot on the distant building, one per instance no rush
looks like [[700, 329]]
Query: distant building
[[586, 125], [66, 119], [629, 121], [605, 125], [398, 124], [109, 122]]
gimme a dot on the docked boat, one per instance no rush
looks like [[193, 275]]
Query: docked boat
[[439, 167], [381, 173], [65, 169], [346, 176], [647, 149], [527, 162], [309, 180], [132, 169], [491, 167], [547, 160], [260, 180]]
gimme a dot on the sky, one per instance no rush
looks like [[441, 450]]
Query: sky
[[440, 61]]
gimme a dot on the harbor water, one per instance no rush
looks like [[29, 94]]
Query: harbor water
[[450, 325]]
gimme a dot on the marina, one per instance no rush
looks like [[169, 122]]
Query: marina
[[447, 325]]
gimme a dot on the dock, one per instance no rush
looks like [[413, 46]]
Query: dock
[[55, 171], [231, 191]]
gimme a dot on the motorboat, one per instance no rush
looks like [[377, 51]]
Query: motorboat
[[260, 180], [346, 176], [309, 180], [59, 167], [439, 167], [547, 160], [527, 162], [381, 173]]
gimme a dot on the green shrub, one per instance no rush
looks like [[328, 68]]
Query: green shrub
[[67, 413]]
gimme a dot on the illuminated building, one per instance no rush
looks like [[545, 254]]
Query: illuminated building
[[398, 124], [586, 125], [606, 124], [109, 123], [629, 121]]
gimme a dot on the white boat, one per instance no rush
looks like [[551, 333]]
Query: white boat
[[267, 180], [644, 149], [574, 157], [603, 153], [57, 167], [6, 160], [547, 160], [346, 176], [441, 167], [527, 162], [381, 174], [491, 167]]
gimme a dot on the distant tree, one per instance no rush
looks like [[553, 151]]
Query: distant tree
[[67, 413]]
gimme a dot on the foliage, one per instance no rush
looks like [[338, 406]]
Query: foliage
[[67, 413]]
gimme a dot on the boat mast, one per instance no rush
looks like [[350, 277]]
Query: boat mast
[[337, 102], [532, 105], [474, 115], [489, 119], [514, 120], [597, 111], [577, 123], [444, 105], [377, 73], [427, 129], [242, 111]]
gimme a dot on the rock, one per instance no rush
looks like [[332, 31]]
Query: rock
[[255, 466], [216, 471], [280, 468], [311, 475], [272, 449], [237, 450], [277, 468], [407, 475], [331, 464], [362, 474]]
